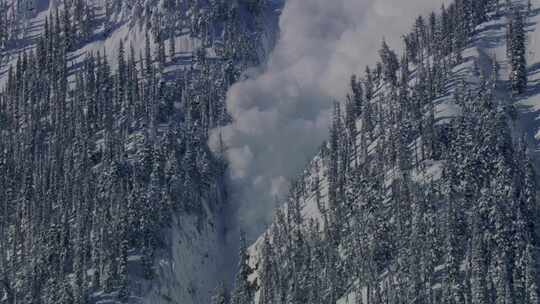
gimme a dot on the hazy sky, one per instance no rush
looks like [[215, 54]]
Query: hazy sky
[[282, 114]]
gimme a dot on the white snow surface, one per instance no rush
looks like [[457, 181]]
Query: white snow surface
[[125, 27]]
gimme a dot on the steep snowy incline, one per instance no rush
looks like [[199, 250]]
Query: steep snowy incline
[[490, 48], [191, 256], [127, 23], [529, 104], [30, 26], [482, 72]]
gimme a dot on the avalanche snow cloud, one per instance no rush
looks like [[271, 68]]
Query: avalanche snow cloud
[[282, 111]]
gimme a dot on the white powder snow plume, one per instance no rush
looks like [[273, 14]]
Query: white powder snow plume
[[281, 115]]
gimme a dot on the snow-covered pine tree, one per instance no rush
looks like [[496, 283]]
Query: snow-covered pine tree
[[390, 63], [517, 49]]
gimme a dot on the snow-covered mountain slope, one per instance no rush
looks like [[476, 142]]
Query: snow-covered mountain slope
[[393, 207], [128, 21], [131, 182], [529, 105]]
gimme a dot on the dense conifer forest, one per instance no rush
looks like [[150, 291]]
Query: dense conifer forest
[[425, 191], [98, 154], [412, 206]]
